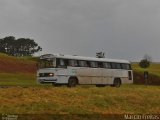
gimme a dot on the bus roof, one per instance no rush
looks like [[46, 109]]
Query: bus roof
[[75, 57]]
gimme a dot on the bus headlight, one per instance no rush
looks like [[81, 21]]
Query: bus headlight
[[51, 74], [46, 74]]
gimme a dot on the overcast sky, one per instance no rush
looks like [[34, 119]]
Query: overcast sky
[[123, 29]]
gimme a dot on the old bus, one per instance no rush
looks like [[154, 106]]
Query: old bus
[[73, 70]]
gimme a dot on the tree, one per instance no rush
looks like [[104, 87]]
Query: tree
[[19, 47], [147, 57], [145, 62], [100, 55]]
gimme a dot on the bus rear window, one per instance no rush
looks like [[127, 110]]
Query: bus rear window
[[126, 66]]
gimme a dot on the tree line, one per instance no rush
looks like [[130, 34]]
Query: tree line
[[19, 47]]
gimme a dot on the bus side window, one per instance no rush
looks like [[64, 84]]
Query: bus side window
[[118, 66], [100, 65], [113, 65], [73, 63], [93, 64], [57, 62], [86, 63], [82, 63], [123, 66], [129, 67], [61, 63], [126, 66], [70, 63], [107, 65]]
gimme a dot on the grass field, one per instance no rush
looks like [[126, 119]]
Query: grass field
[[153, 69], [20, 94], [16, 79], [133, 99]]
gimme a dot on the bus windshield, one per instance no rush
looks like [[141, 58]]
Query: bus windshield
[[47, 63]]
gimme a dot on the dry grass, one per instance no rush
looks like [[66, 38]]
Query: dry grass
[[81, 100]]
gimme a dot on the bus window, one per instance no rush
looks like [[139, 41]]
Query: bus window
[[61, 63], [126, 66], [83, 63], [75, 63], [118, 65], [93, 64], [72, 63], [113, 65], [100, 65], [107, 65], [47, 63]]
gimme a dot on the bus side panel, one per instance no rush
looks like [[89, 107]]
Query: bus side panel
[[96, 75], [84, 75], [62, 80], [107, 76], [64, 74], [125, 77]]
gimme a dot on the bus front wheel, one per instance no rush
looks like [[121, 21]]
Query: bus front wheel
[[72, 82]]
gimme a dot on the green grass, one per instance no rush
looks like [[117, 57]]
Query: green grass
[[153, 69], [17, 79]]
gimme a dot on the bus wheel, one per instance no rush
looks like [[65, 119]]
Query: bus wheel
[[72, 82], [117, 82]]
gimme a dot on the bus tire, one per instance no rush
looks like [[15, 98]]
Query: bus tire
[[72, 82], [117, 82]]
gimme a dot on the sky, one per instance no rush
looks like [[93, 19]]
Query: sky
[[123, 29]]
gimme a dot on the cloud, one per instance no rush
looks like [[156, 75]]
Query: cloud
[[125, 29]]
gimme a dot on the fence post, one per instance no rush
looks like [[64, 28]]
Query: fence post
[[146, 75]]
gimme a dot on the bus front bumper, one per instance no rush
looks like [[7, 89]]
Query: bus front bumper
[[47, 80]]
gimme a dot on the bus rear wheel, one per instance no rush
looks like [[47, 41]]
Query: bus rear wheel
[[117, 82], [72, 82]]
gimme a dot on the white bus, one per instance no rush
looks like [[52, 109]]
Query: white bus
[[72, 70]]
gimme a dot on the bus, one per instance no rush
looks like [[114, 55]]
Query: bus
[[59, 69]]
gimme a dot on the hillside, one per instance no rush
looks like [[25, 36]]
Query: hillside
[[22, 71], [9, 64], [154, 74], [16, 70]]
